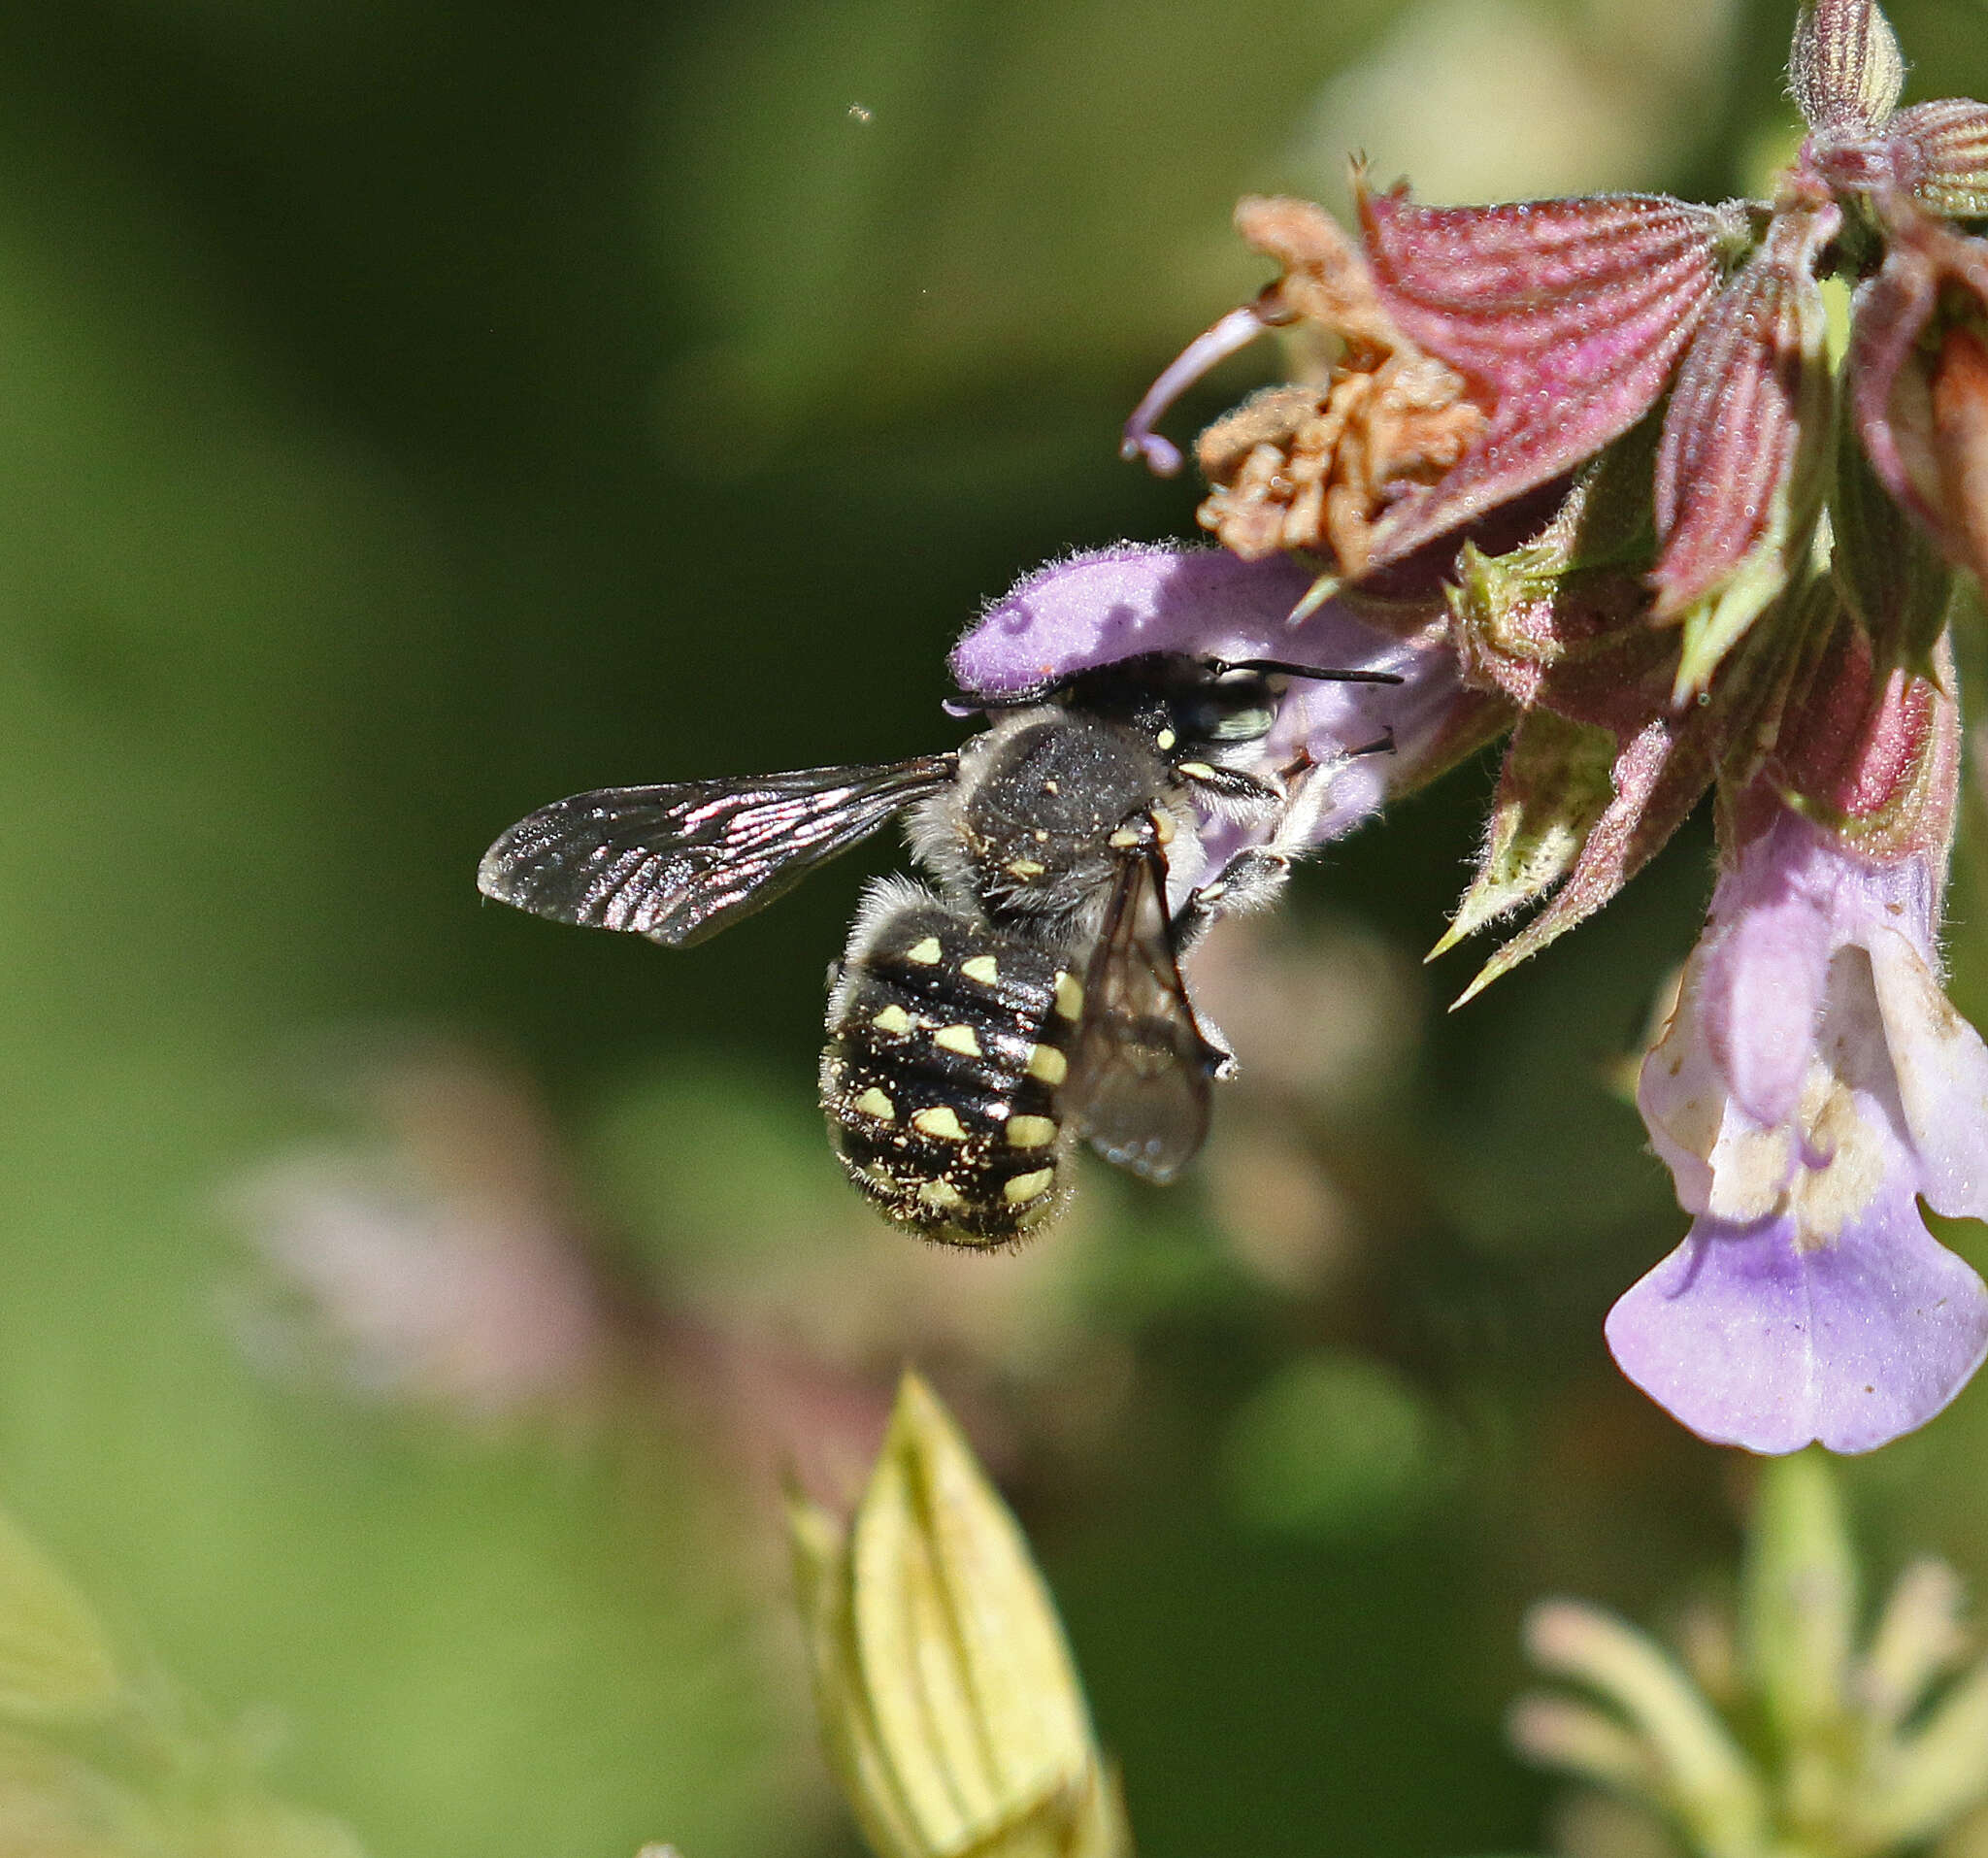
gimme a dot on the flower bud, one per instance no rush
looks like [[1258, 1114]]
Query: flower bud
[[1942, 151], [55, 1661], [949, 1707], [1737, 478], [1847, 69], [1918, 373]]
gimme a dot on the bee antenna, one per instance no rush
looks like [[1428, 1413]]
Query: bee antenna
[[1276, 667], [975, 703]]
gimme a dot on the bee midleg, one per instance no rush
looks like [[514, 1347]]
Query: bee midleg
[[1254, 876], [1233, 793]]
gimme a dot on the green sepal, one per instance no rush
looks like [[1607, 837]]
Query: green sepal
[[1715, 624], [1554, 785], [1605, 522]]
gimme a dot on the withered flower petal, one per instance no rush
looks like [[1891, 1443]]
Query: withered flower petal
[[1316, 464]]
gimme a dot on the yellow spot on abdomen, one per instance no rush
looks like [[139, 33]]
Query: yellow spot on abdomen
[[941, 1123], [892, 1018], [1028, 1186], [874, 1102], [1030, 1132], [1048, 1065], [1068, 996], [1197, 771], [959, 1039], [1023, 869], [941, 1196], [982, 968], [925, 953]]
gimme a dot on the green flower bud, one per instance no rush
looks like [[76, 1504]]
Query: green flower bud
[[949, 1707], [55, 1660]]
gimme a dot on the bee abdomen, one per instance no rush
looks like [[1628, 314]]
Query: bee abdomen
[[948, 1043]]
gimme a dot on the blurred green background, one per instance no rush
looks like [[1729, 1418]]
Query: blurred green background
[[415, 412]]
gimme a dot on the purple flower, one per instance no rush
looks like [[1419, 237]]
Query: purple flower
[[1116, 602], [1605, 432], [1813, 1083]]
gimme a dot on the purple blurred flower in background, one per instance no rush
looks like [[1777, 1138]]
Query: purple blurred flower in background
[[1592, 462]]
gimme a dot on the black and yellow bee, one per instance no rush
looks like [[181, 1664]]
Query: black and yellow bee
[[1030, 995]]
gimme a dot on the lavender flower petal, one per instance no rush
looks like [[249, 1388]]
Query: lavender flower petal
[[1791, 899], [1943, 1078], [1752, 1339]]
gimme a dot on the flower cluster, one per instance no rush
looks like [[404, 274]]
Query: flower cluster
[[1778, 1732], [1588, 468]]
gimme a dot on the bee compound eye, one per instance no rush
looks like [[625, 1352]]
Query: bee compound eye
[[1239, 706]]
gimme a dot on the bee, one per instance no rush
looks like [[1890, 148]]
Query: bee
[[1029, 995]]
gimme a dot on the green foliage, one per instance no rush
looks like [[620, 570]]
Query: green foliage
[[415, 412]]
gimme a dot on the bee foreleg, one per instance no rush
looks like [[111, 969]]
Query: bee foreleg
[[1249, 881]]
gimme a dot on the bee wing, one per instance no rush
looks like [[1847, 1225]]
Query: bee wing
[[679, 863], [1140, 1075]]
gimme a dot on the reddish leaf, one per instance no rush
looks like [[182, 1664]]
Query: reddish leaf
[[1942, 153], [1565, 316]]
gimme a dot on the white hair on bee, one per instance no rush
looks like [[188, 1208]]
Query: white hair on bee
[[884, 901]]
